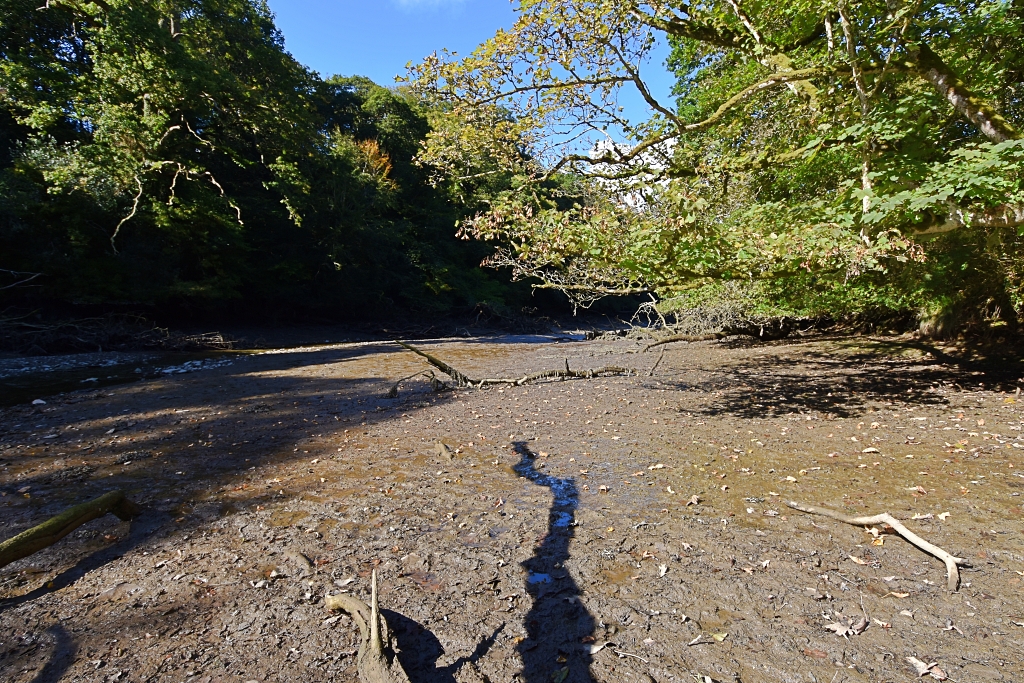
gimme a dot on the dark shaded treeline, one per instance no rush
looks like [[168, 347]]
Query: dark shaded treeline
[[171, 155]]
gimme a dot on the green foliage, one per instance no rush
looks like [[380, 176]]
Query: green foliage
[[835, 157], [171, 152]]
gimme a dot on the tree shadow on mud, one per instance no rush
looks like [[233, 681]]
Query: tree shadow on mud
[[844, 385], [557, 621], [419, 650], [62, 656]]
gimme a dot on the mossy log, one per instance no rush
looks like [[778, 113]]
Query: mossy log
[[56, 528]]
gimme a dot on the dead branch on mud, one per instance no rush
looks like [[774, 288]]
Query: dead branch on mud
[[686, 338], [56, 528], [462, 380], [393, 391], [952, 572], [376, 661]]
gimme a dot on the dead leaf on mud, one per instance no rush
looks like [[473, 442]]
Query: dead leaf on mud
[[847, 626], [922, 669], [859, 560], [814, 594], [694, 500], [425, 580], [817, 654]]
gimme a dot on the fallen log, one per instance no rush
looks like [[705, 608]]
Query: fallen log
[[56, 528], [462, 380], [952, 572], [376, 661]]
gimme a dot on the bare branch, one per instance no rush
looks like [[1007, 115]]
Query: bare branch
[[135, 207]]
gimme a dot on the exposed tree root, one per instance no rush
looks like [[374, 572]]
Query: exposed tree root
[[952, 572], [462, 380], [376, 661], [56, 528], [686, 338]]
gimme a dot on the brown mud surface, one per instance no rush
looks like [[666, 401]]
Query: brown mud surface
[[615, 529]]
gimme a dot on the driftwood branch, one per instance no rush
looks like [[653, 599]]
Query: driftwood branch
[[462, 380], [56, 528], [686, 338], [952, 572], [376, 661]]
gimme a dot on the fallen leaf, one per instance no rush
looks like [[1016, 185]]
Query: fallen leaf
[[878, 541], [922, 669], [791, 478], [694, 500], [871, 449], [817, 654], [659, 466], [859, 560], [883, 624], [662, 570], [719, 637], [927, 516], [943, 516], [847, 627]]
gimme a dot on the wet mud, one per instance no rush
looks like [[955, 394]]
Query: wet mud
[[615, 529]]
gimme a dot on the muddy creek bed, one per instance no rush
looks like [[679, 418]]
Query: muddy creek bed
[[623, 528]]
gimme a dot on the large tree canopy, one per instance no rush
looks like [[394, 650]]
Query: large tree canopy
[[820, 149], [171, 151]]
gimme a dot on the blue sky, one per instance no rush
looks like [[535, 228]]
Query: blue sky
[[377, 38]]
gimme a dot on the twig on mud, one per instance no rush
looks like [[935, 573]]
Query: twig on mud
[[56, 528], [952, 572], [686, 338], [622, 654], [650, 373], [462, 380]]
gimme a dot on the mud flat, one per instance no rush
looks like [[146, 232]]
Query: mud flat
[[613, 529]]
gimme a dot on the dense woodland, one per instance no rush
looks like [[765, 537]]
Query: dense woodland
[[172, 155], [816, 159]]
